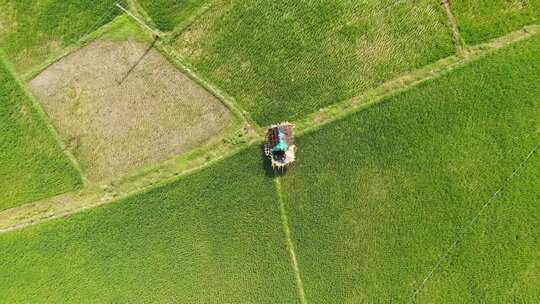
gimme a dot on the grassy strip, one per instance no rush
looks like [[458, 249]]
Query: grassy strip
[[198, 240], [376, 198], [37, 30], [32, 165], [479, 21], [290, 245], [458, 41], [282, 60]]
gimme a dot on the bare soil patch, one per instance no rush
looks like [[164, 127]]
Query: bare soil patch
[[121, 106]]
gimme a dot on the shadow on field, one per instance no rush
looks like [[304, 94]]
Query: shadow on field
[[150, 47], [267, 166]]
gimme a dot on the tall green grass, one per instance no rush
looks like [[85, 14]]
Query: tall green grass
[[32, 166], [213, 237], [284, 59], [167, 14], [481, 20], [376, 198], [33, 31]]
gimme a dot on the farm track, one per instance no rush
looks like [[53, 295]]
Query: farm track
[[97, 195], [290, 244]]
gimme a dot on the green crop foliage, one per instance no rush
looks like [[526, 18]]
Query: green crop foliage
[[167, 14], [33, 31], [32, 166], [212, 237], [498, 262], [481, 20], [284, 59], [376, 198]]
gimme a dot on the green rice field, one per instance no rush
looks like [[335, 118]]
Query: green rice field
[[198, 240], [379, 196], [32, 166], [282, 60], [167, 14], [481, 20], [499, 261], [416, 176], [34, 32]]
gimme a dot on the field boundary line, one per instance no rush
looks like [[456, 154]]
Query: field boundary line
[[180, 28], [290, 244], [225, 98], [137, 9], [110, 190], [97, 195], [182, 64], [460, 45], [469, 226], [91, 34], [341, 110], [46, 120]]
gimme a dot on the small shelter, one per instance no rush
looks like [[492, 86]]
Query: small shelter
[[280, 147]]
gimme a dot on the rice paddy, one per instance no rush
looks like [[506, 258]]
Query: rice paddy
[[282, 60], [32, 165], [197, 240], [416, 177], [479, 21], [35, 32], [379, 196]]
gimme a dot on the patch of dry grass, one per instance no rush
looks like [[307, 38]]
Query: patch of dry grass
[[120, 105]]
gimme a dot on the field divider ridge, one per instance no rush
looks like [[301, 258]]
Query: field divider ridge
[[102, 193], [341, 110], [290, 244], [226, 99], [469, 226], [47, 121], [181, 63], [461, 46]]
